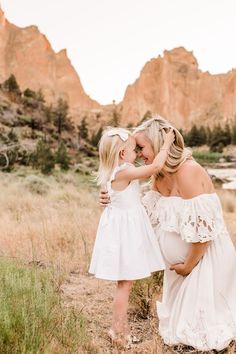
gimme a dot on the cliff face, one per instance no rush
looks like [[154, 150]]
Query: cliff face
[[174, 87], [26, 53]]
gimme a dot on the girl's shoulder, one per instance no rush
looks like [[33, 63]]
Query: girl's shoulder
[[120, 168]]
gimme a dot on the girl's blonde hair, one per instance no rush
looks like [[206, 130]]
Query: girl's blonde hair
[[153, 129], [110, 146]]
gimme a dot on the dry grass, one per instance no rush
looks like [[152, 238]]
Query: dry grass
[[51, 219], [228, 201]]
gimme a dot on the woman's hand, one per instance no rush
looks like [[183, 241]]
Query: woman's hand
[[180, 268], [195, 254], [104, 199]]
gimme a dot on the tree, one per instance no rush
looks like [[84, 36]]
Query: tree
[[233, 134], [29, 93], [11, 84], [195, 137], [227, 134], [146, 116], [62, 157], [40, 96], [83, 129], [115, 121], [208, 135], [96, 137], [42, 158], [218, 139], [61, 115]]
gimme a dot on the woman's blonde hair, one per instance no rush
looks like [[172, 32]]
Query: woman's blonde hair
[[153, 129], [110, 146]]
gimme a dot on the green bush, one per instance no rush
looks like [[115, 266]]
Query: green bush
[[205, 156]]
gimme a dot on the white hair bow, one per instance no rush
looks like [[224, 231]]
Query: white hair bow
[[122, 134]]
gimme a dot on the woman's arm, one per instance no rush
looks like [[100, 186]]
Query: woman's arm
[[192, 180], [196, 252]]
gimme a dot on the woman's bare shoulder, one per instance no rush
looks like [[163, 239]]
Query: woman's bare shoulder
[[190, 167], [192, 179]]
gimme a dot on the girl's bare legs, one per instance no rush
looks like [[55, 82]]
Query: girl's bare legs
[[120, 326]]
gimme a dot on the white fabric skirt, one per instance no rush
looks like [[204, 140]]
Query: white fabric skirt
[[126, 247]]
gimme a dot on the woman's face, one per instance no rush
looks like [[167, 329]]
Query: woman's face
[[144, 148]]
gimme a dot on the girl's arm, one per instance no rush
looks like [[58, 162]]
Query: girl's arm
[[155, 167]]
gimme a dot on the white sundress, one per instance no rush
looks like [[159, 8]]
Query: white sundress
[[126, 247], [200, 309]]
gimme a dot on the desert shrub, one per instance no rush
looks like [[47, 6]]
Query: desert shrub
[[36, 185]]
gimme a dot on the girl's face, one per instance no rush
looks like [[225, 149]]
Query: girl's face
[[144, 148], [129, 153]]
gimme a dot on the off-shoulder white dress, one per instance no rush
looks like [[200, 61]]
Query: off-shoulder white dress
[[200, 309]]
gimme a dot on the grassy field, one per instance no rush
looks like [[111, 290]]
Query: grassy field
[[48, 228], [33, 316]]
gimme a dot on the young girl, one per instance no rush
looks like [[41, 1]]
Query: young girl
[[126, 247]]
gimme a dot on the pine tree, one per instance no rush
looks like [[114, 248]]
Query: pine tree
[[43, 158], [83, 129], [146, 116], [62, 157], [61, 115], [115, 121], [195, 137], [227, 134], [202, 135], [218, 140], [208, 135], [233, 134], [11, 84], [96, 137]]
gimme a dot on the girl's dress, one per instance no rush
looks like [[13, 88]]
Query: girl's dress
[[199, 309], [126, 247]]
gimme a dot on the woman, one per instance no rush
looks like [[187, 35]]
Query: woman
[[199, 291]]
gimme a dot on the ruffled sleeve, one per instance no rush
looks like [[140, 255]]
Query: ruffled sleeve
[[201, 219], [150, 200]]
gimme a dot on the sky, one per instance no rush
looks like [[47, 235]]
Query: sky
[[109, 41]]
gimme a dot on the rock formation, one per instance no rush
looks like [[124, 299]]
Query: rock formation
[[26, 53], [174, 87]]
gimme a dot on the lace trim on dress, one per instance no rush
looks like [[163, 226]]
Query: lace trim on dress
[[197, 220], [201, 219], [149, 201]]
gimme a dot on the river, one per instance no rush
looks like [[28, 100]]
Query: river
[[225, 173]]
